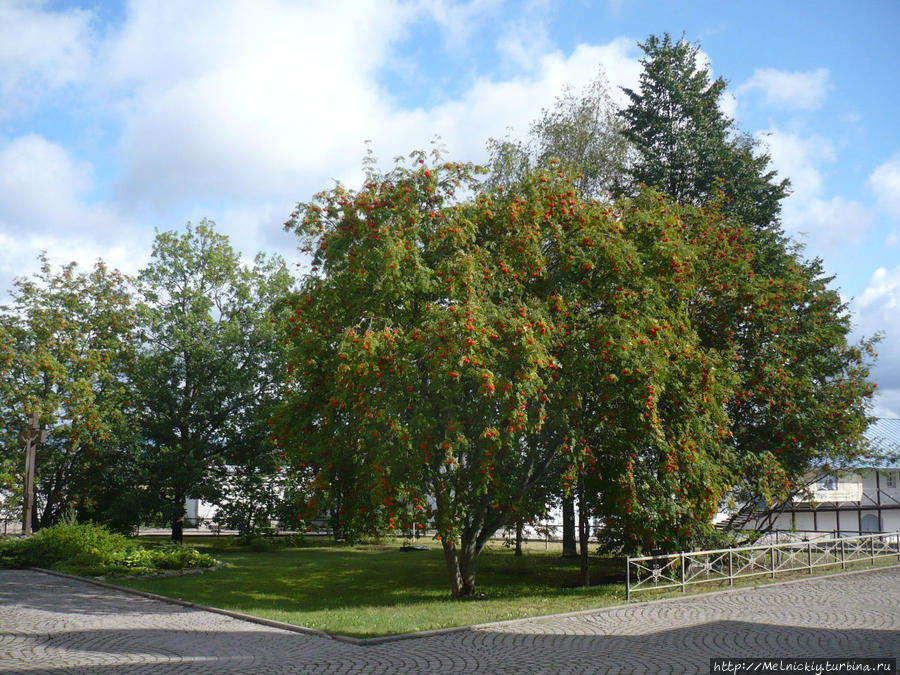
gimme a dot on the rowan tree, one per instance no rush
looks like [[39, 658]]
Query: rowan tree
[[449, 354]]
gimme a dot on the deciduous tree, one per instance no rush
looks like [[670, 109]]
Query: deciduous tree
[[448, 355], [208, 360], [66, 348]]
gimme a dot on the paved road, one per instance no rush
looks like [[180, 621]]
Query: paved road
[[54, 625]]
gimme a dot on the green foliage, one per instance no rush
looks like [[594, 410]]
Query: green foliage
[[11, 488], [803, 392], [66, 350], [209, 367], [584, 132], [684, 144], [88, 548], [581, 131], [799, 389], [254, 494], [260, 544], [67, 543], [478, 352]]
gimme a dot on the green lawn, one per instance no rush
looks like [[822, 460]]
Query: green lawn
[[373, 590]]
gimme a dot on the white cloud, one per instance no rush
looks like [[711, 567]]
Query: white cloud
[[728, 104], [489, 107], [40, 187], [259, 101], [799, 159], [40, 50], [42, 208], [823, 224], [246, 108], [828, 224], [883, 292], [525, 39], [886, 403], [457, 20], [248, 101], [885, 182], [259, 227], [794, 90], [877, 309], [127, 251]]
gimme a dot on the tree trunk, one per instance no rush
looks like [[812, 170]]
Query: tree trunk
[[568, 521], [178, 519], [460, 569], [583, 534], [519, 526]]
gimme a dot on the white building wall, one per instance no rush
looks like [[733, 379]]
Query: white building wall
[[196, 509], [804, 521], [890, 521], [826, 520], [850, 519], [885, 478]]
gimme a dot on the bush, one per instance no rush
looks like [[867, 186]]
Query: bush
[[260, 544], [177, 557], [88, 548]]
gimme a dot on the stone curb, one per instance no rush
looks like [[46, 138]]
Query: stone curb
[[443, 631]]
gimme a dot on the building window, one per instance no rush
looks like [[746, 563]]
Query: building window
[[891, 479], [870, 523], [828, 483]]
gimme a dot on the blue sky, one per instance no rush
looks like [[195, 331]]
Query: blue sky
[[120, 117]]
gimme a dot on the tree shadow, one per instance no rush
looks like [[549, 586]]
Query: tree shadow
[[48, 593], [333, 579], [686, 649]]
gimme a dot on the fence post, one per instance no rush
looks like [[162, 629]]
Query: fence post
[[872, 548], [730, 569], [682, 572], [809, 556], [772, 559], [628, 578], [843, 565], [898, 545]]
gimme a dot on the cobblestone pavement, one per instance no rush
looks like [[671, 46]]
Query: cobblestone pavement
[[50, 624]]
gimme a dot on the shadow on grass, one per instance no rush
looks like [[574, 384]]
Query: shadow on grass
[[317, 578]]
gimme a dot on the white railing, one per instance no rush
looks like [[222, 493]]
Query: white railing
[[679, 570]]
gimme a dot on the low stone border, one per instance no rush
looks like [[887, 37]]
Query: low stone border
[[439, 631]]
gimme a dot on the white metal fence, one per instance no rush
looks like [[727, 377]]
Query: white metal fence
[[679, 570]]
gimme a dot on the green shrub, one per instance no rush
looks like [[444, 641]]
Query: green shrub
[[261, 544], [87, 548], [69, 542], [176, 557], [12, 552]]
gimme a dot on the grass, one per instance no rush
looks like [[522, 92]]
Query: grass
[[374, 590]]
